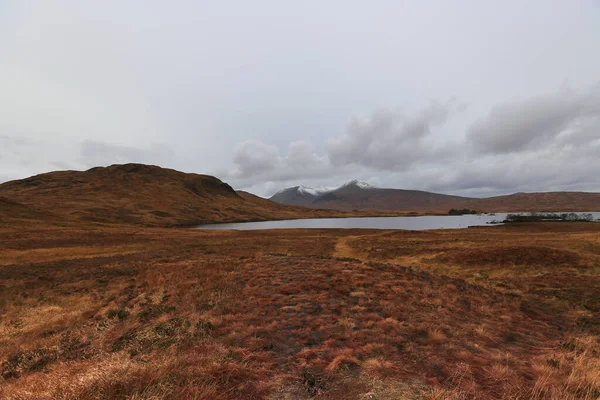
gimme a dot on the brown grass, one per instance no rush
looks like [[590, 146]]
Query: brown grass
[[121, 312]]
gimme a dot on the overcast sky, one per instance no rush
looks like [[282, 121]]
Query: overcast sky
[[466, 97]]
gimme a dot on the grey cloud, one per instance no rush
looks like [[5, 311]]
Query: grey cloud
[[93, 153], [23, 156], [256, 161], [300, 155], [253, 157], [61, 165], [538, 121], [8, 141], [14, 145], [389, 140], [542, 170]]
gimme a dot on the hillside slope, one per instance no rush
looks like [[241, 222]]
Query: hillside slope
[[549, 201], [139, 194], [359, 197], [11, 211]]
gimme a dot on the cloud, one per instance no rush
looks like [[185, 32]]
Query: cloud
[[545, 169], [256, 161], [565, 116], [386, 141], [93, 153], [253, 157], [548, 142], [389, 140], [23, 156]]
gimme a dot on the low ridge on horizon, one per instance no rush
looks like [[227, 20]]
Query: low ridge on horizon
[[357, 195]]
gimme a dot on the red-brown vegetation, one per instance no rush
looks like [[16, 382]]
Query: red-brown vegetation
[[117, 312]]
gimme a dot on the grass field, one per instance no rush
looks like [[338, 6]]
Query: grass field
[[102, 312]]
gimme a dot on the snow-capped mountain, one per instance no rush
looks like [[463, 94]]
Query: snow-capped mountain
[[317, 191], [358, 184], [299, 195], [305, 195], [357, 195]]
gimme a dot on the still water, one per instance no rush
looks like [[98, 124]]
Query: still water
[[411, 223]]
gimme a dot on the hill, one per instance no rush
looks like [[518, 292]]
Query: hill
[[137, 194], [356, 195], [549, 201]]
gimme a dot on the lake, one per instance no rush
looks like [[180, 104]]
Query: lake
[[409, 223]]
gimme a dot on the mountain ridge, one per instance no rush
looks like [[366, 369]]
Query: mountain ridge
[[360, 196], [302, 195]]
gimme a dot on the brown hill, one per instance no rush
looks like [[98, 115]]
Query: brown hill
[[549, 201], [386, 199], [138, 194], [11, 211]]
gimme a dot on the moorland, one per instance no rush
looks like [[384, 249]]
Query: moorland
[[121, 304]]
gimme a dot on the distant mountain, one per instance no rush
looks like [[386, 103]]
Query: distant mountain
[[307, 196], [298, 195], [356, 195]]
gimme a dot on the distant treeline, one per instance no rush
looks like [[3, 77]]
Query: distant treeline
[[463, 211], [540, 216]]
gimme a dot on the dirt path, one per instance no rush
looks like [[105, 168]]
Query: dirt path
[[345, 249]]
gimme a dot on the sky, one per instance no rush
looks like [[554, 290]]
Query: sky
[[472, 98]]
